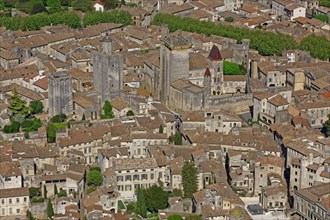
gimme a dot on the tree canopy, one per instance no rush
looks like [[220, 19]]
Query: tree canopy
[[140, 206], [189, 179], [115, 16], [36, 107], [267, 43], [156, 198], [94, 177], [326, 127], [107, 109], [50, 210], [130, 113], [17, 105]]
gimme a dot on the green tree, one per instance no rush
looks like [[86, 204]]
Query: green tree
[[55, 190], [110, 4], [17, 105], [156, 198], [322, 17], [189, 179], [45, 192], [54, 4], [193, 217], [140, 207], [177, 192], [325, 3], [94, 177], [130, 113], [36, 107], [50, 211], [326, 127], [161, 129], [82, 5], [34, 192], [107, 109], [175, 217], [58, 118], [13, 128], [37, 7], [178, 138], [62, 193], [229, 19]]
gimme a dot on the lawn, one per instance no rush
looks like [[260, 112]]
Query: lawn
[[230, 68]]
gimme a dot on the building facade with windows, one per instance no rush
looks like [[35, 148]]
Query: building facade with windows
[[14, 201]]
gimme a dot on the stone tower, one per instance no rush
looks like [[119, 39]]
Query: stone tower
[[174, 62], [207, 86], [60, 98], [217, 65], [107, 71]]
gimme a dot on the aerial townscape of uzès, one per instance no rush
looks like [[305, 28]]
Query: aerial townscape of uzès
[[164, 109]]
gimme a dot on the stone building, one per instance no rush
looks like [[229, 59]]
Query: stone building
[[265, 166], [313, 202], [108, 71], [174, 63], [14, 202], [60, 96], [135, 172]]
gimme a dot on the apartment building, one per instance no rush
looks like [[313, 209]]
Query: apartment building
[[132, 173], [313, 202], [14, 201]]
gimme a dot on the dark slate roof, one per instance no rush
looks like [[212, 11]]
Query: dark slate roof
[[215, 54]]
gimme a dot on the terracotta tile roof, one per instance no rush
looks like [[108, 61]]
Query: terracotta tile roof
[[135, 163], [84, 135], [249, 8], [278, 100], [83, 100], [263, 95], [22, 91], [300, 120], [193, 116], [42, 83], [271, 160], [119, 103], [239, 78], [314, 193], [198, 61], [14, 192], [10, 169]]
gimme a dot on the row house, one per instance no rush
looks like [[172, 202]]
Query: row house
[[317, 110], [274, 195], [14, 202], [240, 168], [135, 172], [313, 202], [306, 173], [264, 166], [85, 139], [105, 197], [10, 175], [287, 9], [268, 106], [70, 182], [214, 121]]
